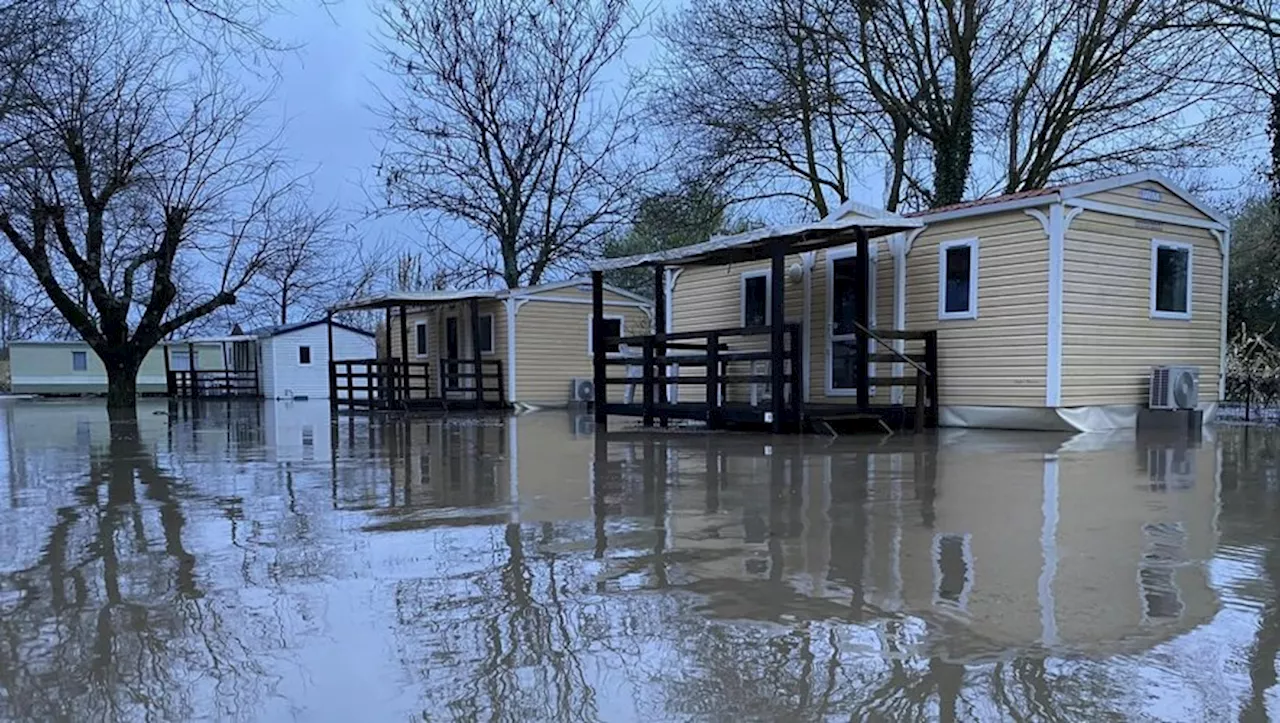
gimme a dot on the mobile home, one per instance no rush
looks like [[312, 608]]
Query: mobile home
[[72, 368], [528, 346], [1046, 309]]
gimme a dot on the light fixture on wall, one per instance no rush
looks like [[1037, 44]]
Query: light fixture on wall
[[795, 273]]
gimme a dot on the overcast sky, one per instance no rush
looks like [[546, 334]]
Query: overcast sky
[[325, 90]]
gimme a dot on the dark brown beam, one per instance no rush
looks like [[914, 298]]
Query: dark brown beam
[[660, 325], [404, 351], [474, 306], [862, 315], [777, 335], [598, 351], [333, 365]]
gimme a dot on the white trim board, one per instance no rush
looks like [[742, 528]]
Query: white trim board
[[1143, 214]]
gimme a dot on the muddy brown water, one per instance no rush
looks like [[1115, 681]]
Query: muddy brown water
[[255, 562]]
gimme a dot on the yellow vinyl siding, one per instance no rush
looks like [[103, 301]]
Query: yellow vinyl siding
[[551, 345], [709, 297], [1110, 342], [997, 359], [1131, 197], [434, 319]]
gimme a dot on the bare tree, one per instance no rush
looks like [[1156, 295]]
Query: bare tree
[[138, 192], [1111, 86], [499, 136], [308, 266], [930, 65], [764, 95]]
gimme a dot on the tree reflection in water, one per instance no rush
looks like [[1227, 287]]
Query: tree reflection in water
[[198, 571]]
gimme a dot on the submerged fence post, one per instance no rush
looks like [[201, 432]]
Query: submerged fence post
[[598, 370], [713, 380], [648, 381]]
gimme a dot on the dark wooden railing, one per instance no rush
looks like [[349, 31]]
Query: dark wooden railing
[[196, 383], [923, 362], [462, 377], [716, 352], [378, 383]]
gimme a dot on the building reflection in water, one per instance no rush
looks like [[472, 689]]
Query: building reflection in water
[[261, 561]]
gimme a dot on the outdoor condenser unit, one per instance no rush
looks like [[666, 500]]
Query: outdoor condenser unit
[[1174, 388], [582, 390]]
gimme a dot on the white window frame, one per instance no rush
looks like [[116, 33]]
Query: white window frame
[[426, 340], [974, 257], [81, 355], [493, 336], [311, 356], [591, 333], [1156, 245], [767, 274]]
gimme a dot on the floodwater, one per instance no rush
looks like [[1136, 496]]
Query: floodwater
[[249, 562]]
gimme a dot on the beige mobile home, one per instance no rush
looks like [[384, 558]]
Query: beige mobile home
[[485, 347], [70, 368], [1046, 309]]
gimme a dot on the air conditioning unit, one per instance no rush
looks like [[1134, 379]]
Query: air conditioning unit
[[582, 390], [1174, 388]]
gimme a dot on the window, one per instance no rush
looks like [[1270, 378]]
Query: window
[[958, 279], [1165, 545], [420, 338], [755, 298], [613, 328], [486, 334], [952, 570], [1170, 280], [304, 355], [79, 361]]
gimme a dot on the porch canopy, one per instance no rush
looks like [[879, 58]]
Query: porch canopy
[[774, 244], [760, 244], [404, 380]]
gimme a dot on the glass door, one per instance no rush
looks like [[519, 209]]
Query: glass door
[[842, 312]]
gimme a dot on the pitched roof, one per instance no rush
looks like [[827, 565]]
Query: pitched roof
[[988, 201], [753, 244], [277, 330], [1040, 196]]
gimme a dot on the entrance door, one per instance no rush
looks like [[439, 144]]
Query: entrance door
[[452, 350], [842, 298]]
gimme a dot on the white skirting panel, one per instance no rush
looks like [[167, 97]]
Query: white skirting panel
[[1100, 418]]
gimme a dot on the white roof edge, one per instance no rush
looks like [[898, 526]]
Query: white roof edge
[[449, 295], [1087, 188], [717, 243], [865, 210], [210, 339]]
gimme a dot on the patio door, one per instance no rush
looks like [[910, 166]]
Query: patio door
[[842, 303], [452, 350]]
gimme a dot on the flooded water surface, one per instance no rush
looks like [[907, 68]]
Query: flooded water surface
[[251, 562]]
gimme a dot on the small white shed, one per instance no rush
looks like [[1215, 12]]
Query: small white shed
[[294, 358]]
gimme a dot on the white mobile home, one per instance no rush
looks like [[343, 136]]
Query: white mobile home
[[293, 359]]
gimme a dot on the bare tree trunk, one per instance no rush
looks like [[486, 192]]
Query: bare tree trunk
[[122, 382], [1274, 133]]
